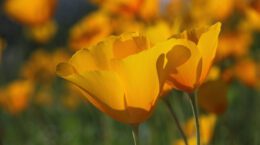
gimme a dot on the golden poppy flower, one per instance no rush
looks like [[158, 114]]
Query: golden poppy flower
[[149, 9], [248, 77], [145, 9], [234, 44], [30, 12], [121, 7], [15, 97], [90, 30], [214, 73], [252, 19], [41, 65], [207, 129], [218, 10], [188, 62], [251, 14], [118, 76], [42, 33], [205, 11]]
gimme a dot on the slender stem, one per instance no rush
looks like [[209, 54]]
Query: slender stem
[[173, 114], [135, 132], [194, 106]]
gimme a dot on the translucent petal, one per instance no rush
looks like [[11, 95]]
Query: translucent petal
[[139, 75], [207, 46], [182, 65], [104, 86]]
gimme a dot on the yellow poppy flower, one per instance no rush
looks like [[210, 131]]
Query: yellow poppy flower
[[214, 73], [188, 64], [118, 76], [205, 11], [42, 33], [145, 9], [30, 12], [218, 10], [122, 7], [235, 44], [250, 11], [149, 9], [41, 65], [252, 19], [90, 30], [15, 97], [248, 77]]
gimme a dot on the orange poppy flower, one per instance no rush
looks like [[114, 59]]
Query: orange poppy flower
[[189, 62], [90, 30], [42, 33], [235, 44], [30, 12], [248, 77], [15, 97], [41, 65], [118, 76], [145, 9]]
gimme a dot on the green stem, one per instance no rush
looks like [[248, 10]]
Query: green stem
[[173, 114], [194, 106], [135, 132]]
